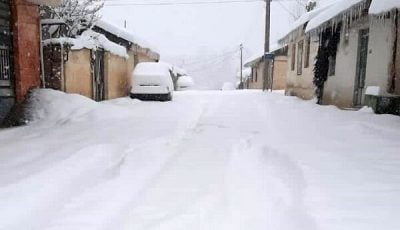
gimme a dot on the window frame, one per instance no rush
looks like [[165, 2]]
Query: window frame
[[293, 58], [307, 53], [300, 53]]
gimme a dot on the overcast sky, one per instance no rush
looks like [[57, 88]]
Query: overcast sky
[[204, 39]]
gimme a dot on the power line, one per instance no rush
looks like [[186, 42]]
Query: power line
[[212, 58], [286, 9], [119, 3]]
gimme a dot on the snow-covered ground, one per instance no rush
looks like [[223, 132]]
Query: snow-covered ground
[[208, 160]]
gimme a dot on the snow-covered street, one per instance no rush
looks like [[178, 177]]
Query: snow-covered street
[[209, 160]]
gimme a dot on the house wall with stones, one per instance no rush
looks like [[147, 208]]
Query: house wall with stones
[[300, 85], [256, 79], [397, 64], [339, 88], [381, 47]]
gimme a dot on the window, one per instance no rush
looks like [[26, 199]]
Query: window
[[332, 65], [307, 54], [300, 58], [256, 74], [293, 61]]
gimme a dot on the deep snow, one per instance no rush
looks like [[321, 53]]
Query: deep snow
[[207, 160]]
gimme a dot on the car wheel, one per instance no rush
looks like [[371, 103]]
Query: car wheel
[[169, 98]]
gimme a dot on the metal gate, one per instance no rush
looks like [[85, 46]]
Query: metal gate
[[361, 67], [6, 68], [98, 83]]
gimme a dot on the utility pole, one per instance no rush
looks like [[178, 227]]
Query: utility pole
[[266, 44], [241, 86]]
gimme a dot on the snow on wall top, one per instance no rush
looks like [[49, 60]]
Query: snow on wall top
[[124, 34], [382, 6], [91, 40], [331, 12]]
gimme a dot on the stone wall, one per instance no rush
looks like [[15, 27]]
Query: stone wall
[[339, 88], [380, 54], [301, 85], [256, 80], [397, 86]]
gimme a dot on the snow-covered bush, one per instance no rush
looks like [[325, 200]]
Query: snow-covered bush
[[78, 15]]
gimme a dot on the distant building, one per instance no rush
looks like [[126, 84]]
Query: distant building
[[256, 79]]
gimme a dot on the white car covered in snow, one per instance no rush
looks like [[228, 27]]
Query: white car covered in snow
[[185, 83], [152, 81]]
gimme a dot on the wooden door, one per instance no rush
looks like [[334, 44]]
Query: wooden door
[[362, 58], [98, 75]]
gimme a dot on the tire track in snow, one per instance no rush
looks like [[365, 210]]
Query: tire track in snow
[[265, 189], [68, 178], [144, 163]]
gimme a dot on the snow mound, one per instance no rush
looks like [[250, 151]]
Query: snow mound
[[55, 107], [373, 90]]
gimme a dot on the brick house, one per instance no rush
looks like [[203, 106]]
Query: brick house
[[19, 50]]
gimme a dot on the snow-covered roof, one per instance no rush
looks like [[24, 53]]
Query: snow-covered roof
[[91, 40], [124, 34], [328, 13], [305, 18], [253, 58], [246, 73], [335, 11], [258, 57], [382, 6]]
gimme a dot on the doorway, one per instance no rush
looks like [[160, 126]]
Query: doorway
[[362, 58], [98, 83], [7, 93]]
